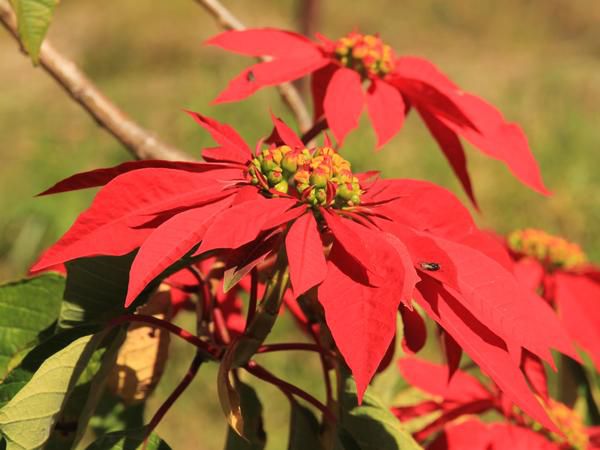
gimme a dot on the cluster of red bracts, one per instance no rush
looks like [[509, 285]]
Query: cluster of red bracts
[[358, 249]]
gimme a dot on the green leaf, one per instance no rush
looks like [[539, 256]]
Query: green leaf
[[27, 419], [22, 374], [27, 308], [371, 425], [253, 430], [76, 414], [128, 440], [33, 20], [304, 428], [95, 290]]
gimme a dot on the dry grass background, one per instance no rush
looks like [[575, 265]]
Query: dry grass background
[[537, 60]]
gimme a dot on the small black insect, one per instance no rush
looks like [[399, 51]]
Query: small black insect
[[250, 76], [430, 266]]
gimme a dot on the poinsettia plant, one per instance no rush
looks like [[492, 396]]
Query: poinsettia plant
[[368, 268]]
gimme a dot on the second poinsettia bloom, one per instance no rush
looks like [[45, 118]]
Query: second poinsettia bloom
[[559, 271], [361, 71]]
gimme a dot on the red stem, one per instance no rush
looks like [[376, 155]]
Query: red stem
[[290, 346], [210, 351], [260, 372], [181, 387], [253, 296], [220, 326]]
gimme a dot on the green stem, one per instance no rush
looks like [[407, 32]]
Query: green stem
[[266, 314]]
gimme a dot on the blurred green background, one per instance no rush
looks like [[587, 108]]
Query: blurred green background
[[537, 60]]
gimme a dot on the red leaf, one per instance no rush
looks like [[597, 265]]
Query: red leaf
[[319, 82], [415, 332], [469, 116], [453, 150], [225, 136], [421, 205], [103, 228], [348, 239], [305, 254], [269, 74], [168, 243], [343, 103], [529, 272], [433, 379], [499, 139], [242, 223], [483, 346], [535, 373], [362, 319], [386, 109], [265, 41], [468, 435], [452, 353], [577, 299], [99, 177], [286, 134], [495, 298]]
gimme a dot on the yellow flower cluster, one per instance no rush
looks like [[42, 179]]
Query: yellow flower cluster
[[570, 423], [320, 177], [553, 251], [365, 53]]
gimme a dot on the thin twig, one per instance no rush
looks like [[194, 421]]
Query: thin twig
[[181, 387], [208, 350], [289, 94], [141, 143], [262, 373], [287, 346]]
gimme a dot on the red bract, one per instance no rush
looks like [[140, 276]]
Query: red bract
[[559, 270], [359, 71], [361, 243], [464, 396]]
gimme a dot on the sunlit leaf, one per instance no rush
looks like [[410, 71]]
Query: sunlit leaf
[[33, 20], [253, 431], [27, 307], [27, 419], [371, 424]]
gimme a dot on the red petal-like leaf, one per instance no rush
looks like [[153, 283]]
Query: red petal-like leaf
[[452, 353], [362, 319], [577, 298], [305, 254], [483, 346], [494, 297], [386, 109], [343, 103], [226, 137], [286, 134], [529, 272], [421, 205], [453, 150], [415, 332], [433, 379], [269, 74], [499, 139], [242, 223], [103, 228], [533, 367], [319, 82], [265, 41], [168, 243], [99, 177]]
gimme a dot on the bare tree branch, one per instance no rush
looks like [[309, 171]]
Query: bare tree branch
[[141, 143], [287, 91]]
